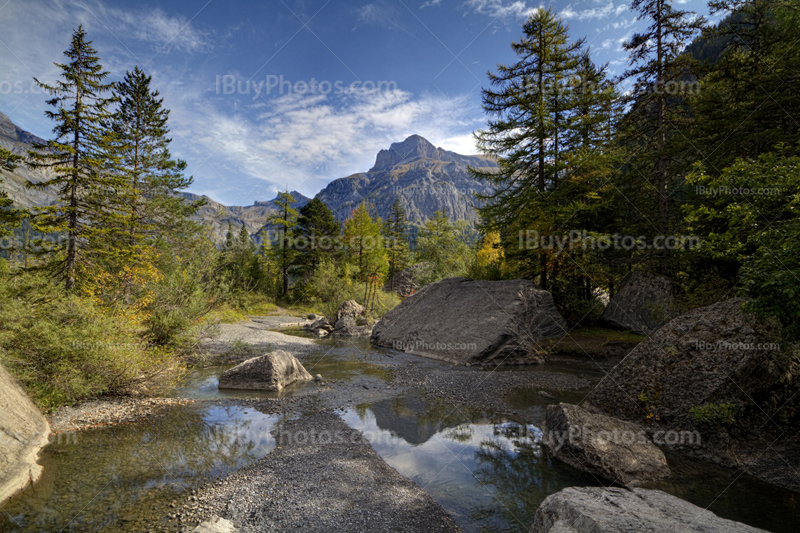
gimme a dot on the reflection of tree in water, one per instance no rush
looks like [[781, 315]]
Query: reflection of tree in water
[[131, 471], [519, 476]]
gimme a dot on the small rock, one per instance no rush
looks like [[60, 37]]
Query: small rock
[[546, 395], [318, 377]]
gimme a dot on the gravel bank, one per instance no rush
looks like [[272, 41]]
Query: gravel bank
[[108, 411], [256, 333], [323, 476]]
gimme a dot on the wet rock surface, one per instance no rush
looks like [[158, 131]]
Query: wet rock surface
[[616, 510], [323, 476]]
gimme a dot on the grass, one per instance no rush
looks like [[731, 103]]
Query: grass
[[608, 334], [595, 342]]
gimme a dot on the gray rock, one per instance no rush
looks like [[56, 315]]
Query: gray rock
[[643, 303], [617, 510], [351, 309], [23, 432], [318, 377], [466, 321], [319, 323], [711, 355], [547, 395], [270, 372], [215, 524], [348, 327], [409, 280], [601, 445]]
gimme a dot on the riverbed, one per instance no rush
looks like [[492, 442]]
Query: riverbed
[[468, 437]]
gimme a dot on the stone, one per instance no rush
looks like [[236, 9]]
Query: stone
[[617, 510], [348, 327], [710, 356], [601, 445], [23, 432], [319, 323], [409, 280], [643, 303], [215, 524], [466, 321], [270, 372], [318, 377], [351, 309]]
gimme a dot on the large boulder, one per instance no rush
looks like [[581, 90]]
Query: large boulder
[[466, 321], [349, 308], [715, 359], [270, 372], [601, 445], [617, 510], [408, 281], [23, 432], [643, 303]]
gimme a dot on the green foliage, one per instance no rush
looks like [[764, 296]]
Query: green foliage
[[315, 237], [10, 218], [65, 348], [284, 222], [714, 413], [365, 251], [447, 246], [332, 284], [395, 232]]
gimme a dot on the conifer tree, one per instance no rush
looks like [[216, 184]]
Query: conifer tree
[[82, 156], [660, 68], [284, 222], [397, 246], [362, 235], [315, 236], [10, 218], [150, 203]]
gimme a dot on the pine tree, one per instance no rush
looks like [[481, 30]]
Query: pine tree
[[397, 245], [660, 69], [442, 243], [82, 156], [284, 221], [362, 235], [10, 218], [315, 236], [151, 204]]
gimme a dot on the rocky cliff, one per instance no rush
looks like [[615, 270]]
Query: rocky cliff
[[425, 179]]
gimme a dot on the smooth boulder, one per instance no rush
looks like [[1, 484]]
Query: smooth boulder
[[617, 510], [642, 304], [466, 321], [23, 432], [601, 445], [269, 372], [349, 308]]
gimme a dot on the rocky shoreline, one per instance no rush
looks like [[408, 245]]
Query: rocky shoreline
[[108, 411]]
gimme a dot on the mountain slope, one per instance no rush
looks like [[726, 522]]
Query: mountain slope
[[19, 142], [425, 179]]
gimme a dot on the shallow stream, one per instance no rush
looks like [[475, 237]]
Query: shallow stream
[[488, 471]]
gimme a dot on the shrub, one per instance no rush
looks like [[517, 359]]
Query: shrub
[[65, 348], [714, 413]]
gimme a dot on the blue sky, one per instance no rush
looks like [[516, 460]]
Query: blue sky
[[268, 94]]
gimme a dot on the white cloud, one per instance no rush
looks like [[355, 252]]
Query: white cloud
[[430, 3], [517, 9], [593, 13]]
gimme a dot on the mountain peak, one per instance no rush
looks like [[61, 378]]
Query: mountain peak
[[415, 147]]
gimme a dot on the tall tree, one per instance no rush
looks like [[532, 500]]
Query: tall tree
[[151, 204], [661, 70], [314, 236], [284, 222], [445, 245], [10, 218], [81, 155], [528, 111], [397, 245], [362, 236]]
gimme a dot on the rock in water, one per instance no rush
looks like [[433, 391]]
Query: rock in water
[[270, 372], [616, 450], [466, 321], [215, 524], [642, 304], [616, 510], [23, 432]]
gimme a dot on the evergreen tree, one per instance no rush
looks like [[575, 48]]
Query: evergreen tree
[[397, 246], [82, 156], [10, 218], [284, 221], [445, 245], [660, 68], [315, 236], [362, 235], [151, 204]]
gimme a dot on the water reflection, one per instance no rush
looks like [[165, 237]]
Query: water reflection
[[123, 478]]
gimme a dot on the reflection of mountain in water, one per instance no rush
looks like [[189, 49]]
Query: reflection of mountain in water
[[411, 418]]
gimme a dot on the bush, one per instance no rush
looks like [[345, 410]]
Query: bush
[[714, 413], [67, 348]]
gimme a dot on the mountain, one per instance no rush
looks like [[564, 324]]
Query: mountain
[[254, 217], [425, 179], [19, 142]]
